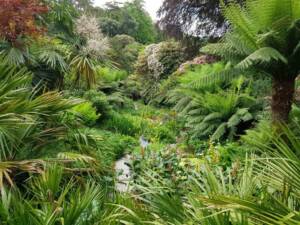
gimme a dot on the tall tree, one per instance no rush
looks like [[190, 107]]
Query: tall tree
[[18, 24], [146, 32], [130, 19], [195, 17], [265, 35], [18, 19]]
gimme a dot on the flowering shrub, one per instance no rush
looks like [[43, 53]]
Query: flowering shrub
[[155, 64], [159, 60], [200, 60], [155, 67]]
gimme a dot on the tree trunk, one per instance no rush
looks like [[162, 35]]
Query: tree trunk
[[282, 98]]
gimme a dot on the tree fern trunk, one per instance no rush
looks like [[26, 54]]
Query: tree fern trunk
[[282, 98]]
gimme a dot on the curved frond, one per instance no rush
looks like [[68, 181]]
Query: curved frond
[[262, 56]]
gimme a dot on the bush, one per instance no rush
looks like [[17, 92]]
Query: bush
[[164, 134], [125, 51], [220, 115], [87, 113], [110, 75], [99, 101], [156, 63], [113, 145], [123, 124], [164, 163], [228, 154], [132, 87]]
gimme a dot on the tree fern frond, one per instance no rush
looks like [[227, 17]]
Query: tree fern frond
[[195, 120], [196, 112], [234, 120], [182, 104], [210, 130], [242, 111], [242, 24], [201, 127], [247, 117], [211, 79], [261, 56], [213, 116], [219, 132]]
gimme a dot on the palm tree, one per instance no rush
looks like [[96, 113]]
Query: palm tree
[[29, 122], [265, 35], [51, 200], [276, 198]]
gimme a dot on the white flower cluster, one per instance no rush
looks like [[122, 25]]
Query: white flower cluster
[[97, 48], [96, 44], [154, 65], [87, 27]]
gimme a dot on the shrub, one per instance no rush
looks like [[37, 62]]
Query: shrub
[[122, 123], [87, 113], [164, 134], [132, 87], [124, 52], [113, 145], [156, 63], [229, 153], [165, 163], [159, 60], [224, 114], [110, 75], [119, 101], [99, 101]]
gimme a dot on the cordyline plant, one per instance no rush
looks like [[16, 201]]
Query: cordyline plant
[[17, 19], [93, 48]]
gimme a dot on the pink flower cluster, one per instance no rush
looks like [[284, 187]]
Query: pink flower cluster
[[200, 60]]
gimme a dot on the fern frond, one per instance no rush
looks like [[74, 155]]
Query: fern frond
[[261, 56], [219, 132], [234, 120], [247, 117], [212, 79], [213, 116]]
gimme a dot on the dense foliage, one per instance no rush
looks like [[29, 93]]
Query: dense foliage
[[103, 123], [156, 63], [18, 19], [205, 17], [268, 40], [130, 19]]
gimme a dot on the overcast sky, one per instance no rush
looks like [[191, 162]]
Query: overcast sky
[[150, 5]]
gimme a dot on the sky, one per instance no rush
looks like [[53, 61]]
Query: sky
[[151, 6]]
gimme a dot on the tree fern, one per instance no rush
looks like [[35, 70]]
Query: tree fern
[[216, 115], [264, 36]]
